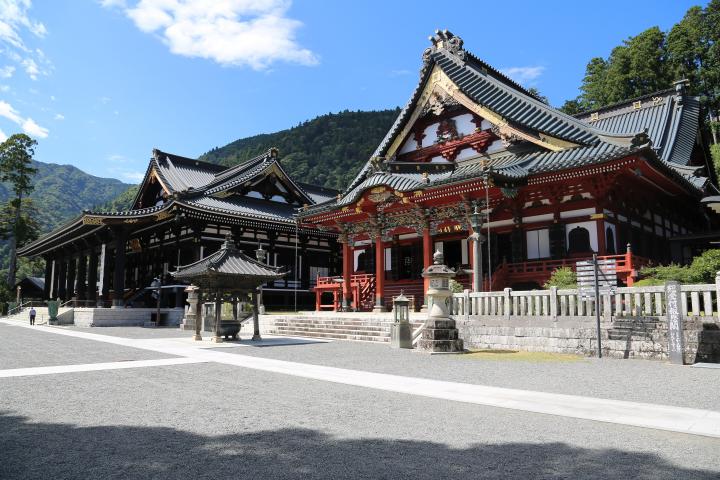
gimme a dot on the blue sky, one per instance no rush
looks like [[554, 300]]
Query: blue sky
[[101, 83]]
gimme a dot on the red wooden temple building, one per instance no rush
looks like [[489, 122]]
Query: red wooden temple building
[[510, 188]]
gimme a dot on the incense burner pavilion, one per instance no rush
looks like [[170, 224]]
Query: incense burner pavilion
[[509, 188]]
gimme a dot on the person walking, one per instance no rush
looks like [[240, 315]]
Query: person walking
[[32, 315]]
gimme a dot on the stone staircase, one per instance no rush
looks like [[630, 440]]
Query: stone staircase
[[635, 328], [332, 328]]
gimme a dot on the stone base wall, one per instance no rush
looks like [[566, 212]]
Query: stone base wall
[[579, 336], [122, 317]]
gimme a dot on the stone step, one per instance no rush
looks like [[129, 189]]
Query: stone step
[[383, 326], [334, 330], [338, 320], [331, 325], [339, 331], [357, 338]]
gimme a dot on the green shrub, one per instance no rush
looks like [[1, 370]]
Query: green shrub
[[704, 267], [456, 287], [702, 270], [661, 274], [715, 153], [563, 277]]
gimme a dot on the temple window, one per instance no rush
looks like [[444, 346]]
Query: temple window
[[538, 243], [610, 240], [579, 240]]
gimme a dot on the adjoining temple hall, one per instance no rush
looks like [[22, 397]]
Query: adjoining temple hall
[[507, 192]]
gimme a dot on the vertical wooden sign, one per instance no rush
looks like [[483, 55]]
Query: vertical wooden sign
[[675, 322]]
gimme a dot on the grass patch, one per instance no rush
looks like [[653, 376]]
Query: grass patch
[[521, 356]]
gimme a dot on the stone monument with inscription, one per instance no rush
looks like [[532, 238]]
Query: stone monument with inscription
[[440, 334], [676, 341]]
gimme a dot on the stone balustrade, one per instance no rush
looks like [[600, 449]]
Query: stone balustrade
[[695, 301]]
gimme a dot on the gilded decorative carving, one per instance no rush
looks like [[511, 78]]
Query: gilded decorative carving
[[131, 220], [163, 215], [93, 221], [380, 197], [441, 215]]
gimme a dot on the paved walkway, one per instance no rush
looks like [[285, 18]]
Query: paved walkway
[[662, 417]]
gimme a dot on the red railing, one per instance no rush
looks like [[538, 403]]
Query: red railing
[[626, 266], [362, 289]]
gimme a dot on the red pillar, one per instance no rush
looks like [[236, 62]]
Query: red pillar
[[379, 274], [347, 273]]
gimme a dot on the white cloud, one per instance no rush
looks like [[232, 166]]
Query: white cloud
[[7, 111], [59, 116], [31, 68], [135, 177], [523, 74], [400, 73], [4, 88], [254, 33], [116, 158], [3, 137], [113, 3], [31, 128], [7, 71], [15, 23], [28, 124]]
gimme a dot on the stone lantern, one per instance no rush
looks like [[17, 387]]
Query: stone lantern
[[401, 331], [440, 334], [261, 256], [190, 318]]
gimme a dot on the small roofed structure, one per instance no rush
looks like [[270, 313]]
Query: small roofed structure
[[31, 288], [228, 273]]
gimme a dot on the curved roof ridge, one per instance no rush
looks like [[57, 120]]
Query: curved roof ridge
[[623, 103]]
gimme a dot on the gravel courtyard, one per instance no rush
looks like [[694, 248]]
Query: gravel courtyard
[[213, 420]]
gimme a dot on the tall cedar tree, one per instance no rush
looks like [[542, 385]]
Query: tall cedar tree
[[15, 168], [652, 60]]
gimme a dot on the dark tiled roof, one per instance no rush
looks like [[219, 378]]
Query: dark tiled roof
[[245, 206], [230, 261], [670, 118], [670, 125]]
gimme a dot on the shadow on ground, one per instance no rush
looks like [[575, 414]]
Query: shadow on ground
[[41, 450]]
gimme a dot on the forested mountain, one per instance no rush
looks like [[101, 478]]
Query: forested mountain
[[327, 150], [61, 193]]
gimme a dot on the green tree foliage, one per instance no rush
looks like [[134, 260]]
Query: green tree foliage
[[16, 168], [121, 202], [61, 192], [702, 270], [563, 277], [328, 150], [715, 153], [652, 60], [635, 68]]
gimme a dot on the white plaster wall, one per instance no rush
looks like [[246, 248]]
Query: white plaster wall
[[409, 146], [430, 134], [495, 146], [438, 159], [464, 124], [538, 218], [465, 153], [577, 213]]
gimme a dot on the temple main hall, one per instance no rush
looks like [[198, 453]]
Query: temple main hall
[[183, 212], [510, 188]]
